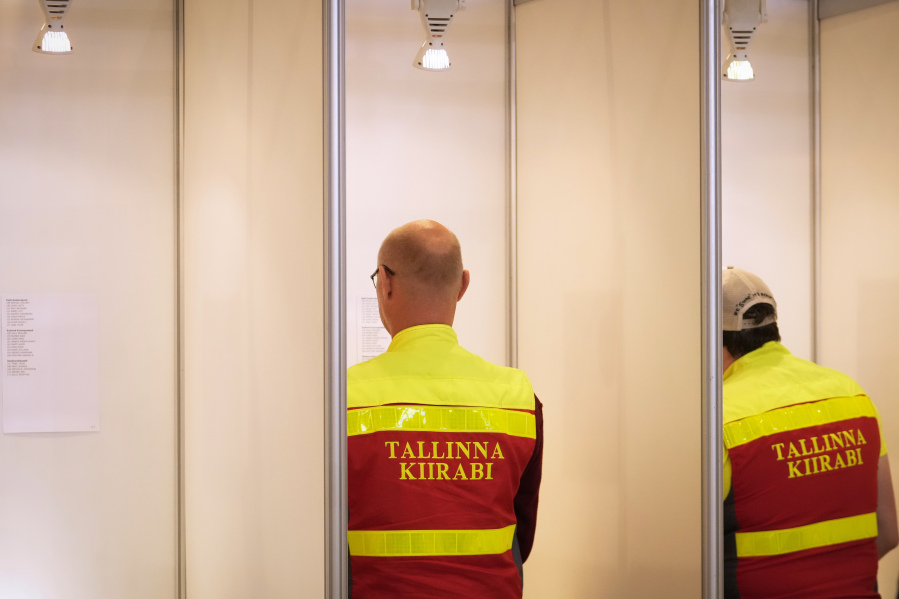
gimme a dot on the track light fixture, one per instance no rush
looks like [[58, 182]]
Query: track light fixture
[[52, 38], [742, 18], [436, 16]]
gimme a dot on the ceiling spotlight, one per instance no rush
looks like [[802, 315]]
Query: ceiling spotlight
[[742, 18], [436, 16], [52, 38]]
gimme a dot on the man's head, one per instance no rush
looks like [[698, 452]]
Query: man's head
[[750, 314], [427, 278]]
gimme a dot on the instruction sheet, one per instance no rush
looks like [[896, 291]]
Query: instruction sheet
[[372, 338], [50, 363]]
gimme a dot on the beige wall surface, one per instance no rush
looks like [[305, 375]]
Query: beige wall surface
[[766, 168], [253, 287], [860, 196], [609, 176], [87, 205], [430, 145]]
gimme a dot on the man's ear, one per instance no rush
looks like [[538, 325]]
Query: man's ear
[[466, 279], [385, 283]]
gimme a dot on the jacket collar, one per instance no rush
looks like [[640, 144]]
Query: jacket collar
[[769, 351], [423, 335]]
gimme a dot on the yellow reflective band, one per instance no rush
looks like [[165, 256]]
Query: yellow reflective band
[[441, 419], [406, 543], [821, 534], [796, 417]]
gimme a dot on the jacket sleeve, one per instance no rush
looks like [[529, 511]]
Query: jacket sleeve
[[529, 490]]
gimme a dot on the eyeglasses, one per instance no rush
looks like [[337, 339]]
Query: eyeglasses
[[374, 275]]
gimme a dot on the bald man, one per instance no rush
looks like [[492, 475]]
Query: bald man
[[445, 449]]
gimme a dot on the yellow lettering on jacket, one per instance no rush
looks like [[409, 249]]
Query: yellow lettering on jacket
[[466, 448], [837, 440], [805, 450], [421, 455], [392, 445], [818, 454], [823, 463], [420, 459], [437, 451], [440, 471], [778, 447], [480, 447]]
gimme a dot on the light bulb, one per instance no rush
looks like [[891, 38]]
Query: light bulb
[[739, 70], [434, 60], [55, 41]]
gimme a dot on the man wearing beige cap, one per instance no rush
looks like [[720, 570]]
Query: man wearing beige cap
[[808, 506]]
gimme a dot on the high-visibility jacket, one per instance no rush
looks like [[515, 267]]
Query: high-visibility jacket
[[438, 439], [802, 445]]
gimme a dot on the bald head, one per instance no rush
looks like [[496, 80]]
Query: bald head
[[428, 255], [425, 279]]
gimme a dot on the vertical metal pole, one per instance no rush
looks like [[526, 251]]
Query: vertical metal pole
[[710, 150], [512, 172], [336, 511], [181, 552], [815, 75]]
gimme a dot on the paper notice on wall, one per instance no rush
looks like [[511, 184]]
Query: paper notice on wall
[[49, 375], [372, 338]]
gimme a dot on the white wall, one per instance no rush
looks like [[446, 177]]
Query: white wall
[[253, 287], [859, 320], [430, 145], [87, 205], [608, 175], [766, 168], [610, 292]]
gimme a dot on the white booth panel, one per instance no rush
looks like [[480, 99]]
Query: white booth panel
[[87, 206], [253, 307], [860, 187], [429, 145], [609, 239], [766, 168]]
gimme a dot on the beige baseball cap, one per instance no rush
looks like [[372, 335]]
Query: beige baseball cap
[[741, 290]]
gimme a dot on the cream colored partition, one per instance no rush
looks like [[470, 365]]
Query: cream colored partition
[[609, 203], [87, 205], [860, 209], [766, 169], [253, 289], [430, 145]]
